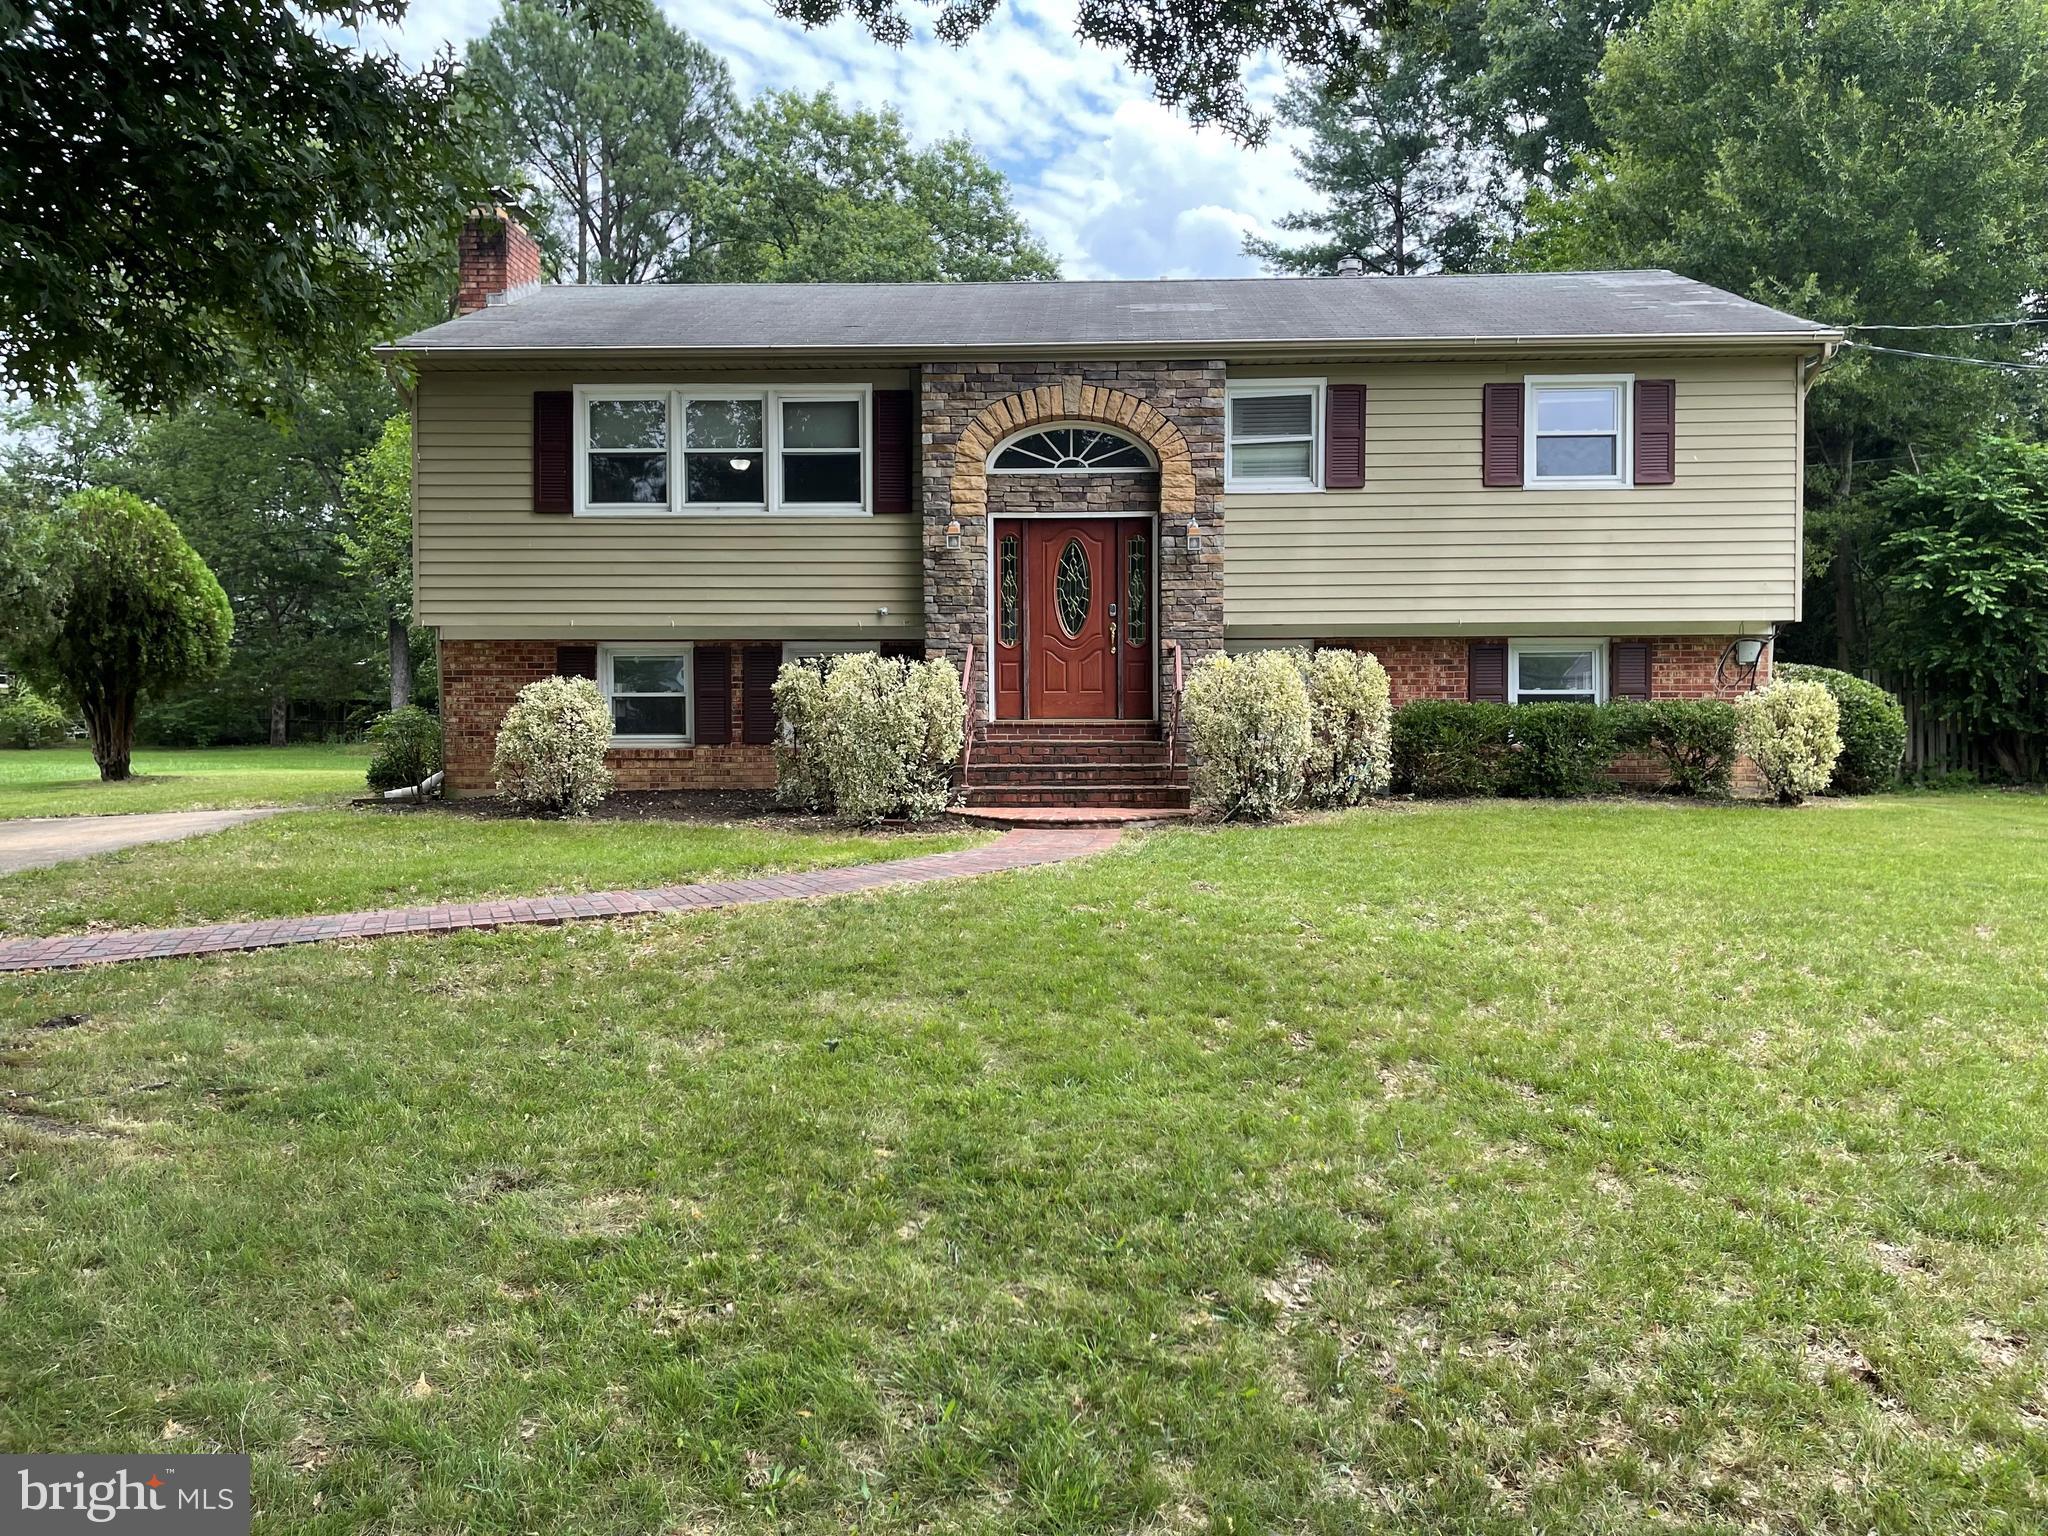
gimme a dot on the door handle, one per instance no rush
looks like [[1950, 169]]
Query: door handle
[[1115, 629]]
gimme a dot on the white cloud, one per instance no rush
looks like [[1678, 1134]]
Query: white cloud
[[1117, 185]]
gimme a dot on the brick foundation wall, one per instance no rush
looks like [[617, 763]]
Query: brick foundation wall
[[1431, 667], [1681, 667], [481, 678]]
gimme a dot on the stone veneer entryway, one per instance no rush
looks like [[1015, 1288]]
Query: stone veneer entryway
[[1175, 408]]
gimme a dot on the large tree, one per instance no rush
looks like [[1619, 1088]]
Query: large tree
[[816, 192], [1400, 191], [1856, 161], [261, 500], [618, 120], [1196, 52], [139, 613], [376, 541], [260, 496], [1966, 591], [187, 189], [1518, 78]]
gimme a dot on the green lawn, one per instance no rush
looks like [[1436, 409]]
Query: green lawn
[[339, 861], [1469, 1168], [62, 781]]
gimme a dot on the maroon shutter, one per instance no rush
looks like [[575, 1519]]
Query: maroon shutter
[[711, 676], [904, 650], [1344, 438], [1628, 669], [1656, 445], [1486, 671], [554, 451], [576, 661], [758, 666], [892, 451], [1500, 434]]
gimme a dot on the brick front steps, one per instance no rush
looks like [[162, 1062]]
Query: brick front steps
[[1110, 765], [1067, 815], [1018, 849]]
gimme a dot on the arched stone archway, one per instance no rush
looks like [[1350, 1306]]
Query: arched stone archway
[[1065, 403]]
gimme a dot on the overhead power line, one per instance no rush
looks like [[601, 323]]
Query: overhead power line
[[1955, 325], [1949, 357]]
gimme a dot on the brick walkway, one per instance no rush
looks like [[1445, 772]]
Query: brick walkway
[[1013, 850]]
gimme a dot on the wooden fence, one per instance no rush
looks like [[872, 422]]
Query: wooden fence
[[1937, 743]]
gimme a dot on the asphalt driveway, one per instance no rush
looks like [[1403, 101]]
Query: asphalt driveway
[[40, 840]]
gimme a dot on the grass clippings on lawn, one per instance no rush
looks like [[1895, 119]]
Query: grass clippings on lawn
[[1480, 1168]]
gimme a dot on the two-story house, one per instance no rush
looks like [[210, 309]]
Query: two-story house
[[1519, 486]]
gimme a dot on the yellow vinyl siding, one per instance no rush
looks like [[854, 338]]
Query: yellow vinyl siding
[[489, 567], [1424, 547]]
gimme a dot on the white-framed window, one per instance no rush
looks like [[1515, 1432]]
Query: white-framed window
[[1273, 435], [648, 689], [624, 449], [1557, 671], [822, 464], [702, 449], [725, 451], [1576, 431]]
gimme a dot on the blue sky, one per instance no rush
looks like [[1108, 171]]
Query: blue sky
[[1115, 184]]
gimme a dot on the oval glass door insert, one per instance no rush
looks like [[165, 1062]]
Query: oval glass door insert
[[1071, 586]]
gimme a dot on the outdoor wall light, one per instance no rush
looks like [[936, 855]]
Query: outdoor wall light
[[1748, 649], [1194, 535], [953, 534]]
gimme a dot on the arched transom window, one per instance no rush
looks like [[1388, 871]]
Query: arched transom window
[[1069, 450]]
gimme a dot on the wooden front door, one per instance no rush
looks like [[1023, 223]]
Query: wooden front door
[[1074, 618]]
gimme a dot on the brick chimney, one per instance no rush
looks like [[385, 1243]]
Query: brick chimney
[[497, 257]]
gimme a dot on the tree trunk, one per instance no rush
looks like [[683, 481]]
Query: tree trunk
[[280, 716], [401, 663], [110, 725], [1847, 641]]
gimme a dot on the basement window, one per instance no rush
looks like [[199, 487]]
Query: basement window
[[648, 688], [1557, 671]]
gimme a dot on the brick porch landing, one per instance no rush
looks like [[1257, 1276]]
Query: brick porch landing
[[1020, 849]]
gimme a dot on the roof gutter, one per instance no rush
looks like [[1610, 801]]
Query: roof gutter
[[1402, 347]]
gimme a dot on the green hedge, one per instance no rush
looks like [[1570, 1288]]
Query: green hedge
[[1694, 737], [1557, 751], [405, 748], [1873, 730], [27, 719], [1446, 748]]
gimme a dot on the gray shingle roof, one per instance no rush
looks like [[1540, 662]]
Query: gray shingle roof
[[1164, 315]]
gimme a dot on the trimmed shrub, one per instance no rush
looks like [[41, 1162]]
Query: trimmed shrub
[[27, 719], [1447, 747], [881, 739], [1791, 731], [801, 783], [406, 748], [551, 746], [1694, 737], [1248, 723], [1561, 750], [1350, 726], [1873, 730]]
